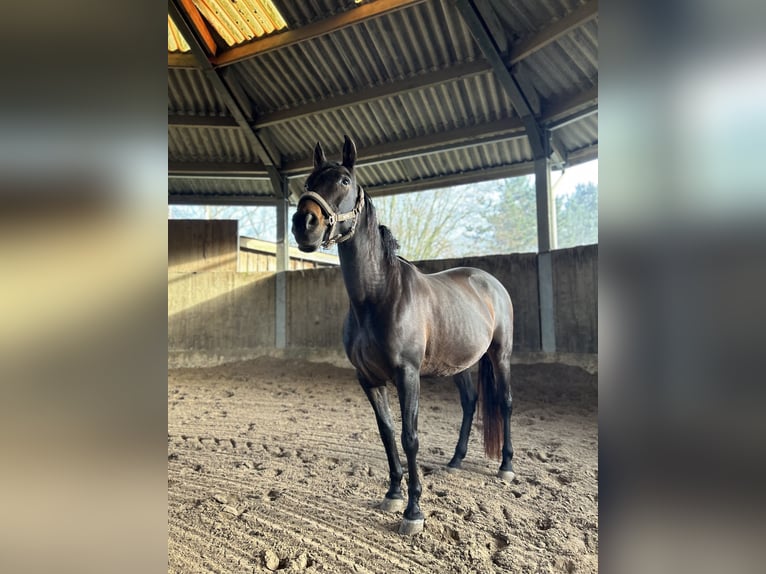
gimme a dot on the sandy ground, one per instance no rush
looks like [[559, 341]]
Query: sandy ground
[[277, 465]]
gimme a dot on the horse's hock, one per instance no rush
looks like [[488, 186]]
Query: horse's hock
[[276, 464]]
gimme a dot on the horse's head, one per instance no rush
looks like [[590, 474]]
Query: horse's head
[[329, 208]]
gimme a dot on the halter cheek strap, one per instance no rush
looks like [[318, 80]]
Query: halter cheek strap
[[333, 217]]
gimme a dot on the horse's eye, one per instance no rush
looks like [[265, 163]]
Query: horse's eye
[[345, 181]]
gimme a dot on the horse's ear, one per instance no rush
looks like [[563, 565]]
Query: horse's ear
[[319, 158], [349, 153]]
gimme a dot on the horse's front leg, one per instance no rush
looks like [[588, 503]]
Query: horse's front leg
[[378, 397], [408, 386]]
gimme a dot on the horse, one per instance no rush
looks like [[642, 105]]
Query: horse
[[403, 324]]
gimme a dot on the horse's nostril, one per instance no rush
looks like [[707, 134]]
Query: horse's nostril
[[311, 220]]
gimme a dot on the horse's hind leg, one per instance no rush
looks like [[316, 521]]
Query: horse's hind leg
[[501, 365], [468, 396], [378, 397]]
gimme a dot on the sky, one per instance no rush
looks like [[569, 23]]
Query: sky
[[581, 173]]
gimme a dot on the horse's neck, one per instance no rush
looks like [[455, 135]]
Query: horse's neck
[[368, 274]]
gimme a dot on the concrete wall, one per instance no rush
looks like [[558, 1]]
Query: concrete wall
[[575, 298], [202, 245], [317, 303], [220, 316]]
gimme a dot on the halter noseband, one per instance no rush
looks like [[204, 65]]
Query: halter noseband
[[333, 217]]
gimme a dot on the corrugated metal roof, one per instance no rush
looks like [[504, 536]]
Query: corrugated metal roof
[[298, 14], [209, 145], [189, 92], [385, 49], [449, 162], [579, 134], [564, 65], [387, 55], [457, 104]]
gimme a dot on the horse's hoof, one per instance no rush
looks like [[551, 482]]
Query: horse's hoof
[[453, 469], [392, 504], [506, 475], [410, 527]]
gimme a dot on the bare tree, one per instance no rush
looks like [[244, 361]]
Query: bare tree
[[508, 222], [577, 216], [426, 224]]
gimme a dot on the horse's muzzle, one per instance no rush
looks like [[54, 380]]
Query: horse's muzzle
[[307, 230]]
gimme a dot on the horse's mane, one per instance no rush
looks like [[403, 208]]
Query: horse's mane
[[390, 244], [388, 241]]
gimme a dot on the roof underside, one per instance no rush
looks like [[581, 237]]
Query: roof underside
[[421, 88]]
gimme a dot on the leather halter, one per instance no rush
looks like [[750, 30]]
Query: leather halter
[[333, 217]]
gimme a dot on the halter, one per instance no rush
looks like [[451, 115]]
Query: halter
[[333, 217]]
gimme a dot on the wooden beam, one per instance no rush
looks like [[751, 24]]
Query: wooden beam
[[527, 88], [494, 26], [193, 198], [189, 121], [211, 170], [581, 102], [230, 78], [559, 149], [311, 31], [587, 153], [554, 31], [576, 116], [182, 60], [199, 26]]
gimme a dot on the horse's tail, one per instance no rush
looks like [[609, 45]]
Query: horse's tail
[[492, 419]]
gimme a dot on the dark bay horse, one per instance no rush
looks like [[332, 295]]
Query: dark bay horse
[[403, 324]]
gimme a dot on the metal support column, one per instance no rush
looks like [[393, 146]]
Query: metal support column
[[283, 264], [546, 240], [546, 206]]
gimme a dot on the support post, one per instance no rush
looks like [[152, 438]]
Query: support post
[[546, 206], [283, 264], [546, 240], [545, 294]]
